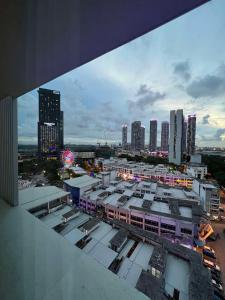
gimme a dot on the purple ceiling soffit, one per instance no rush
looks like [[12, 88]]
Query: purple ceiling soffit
[[41, 40]]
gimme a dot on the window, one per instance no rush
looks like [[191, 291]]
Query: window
[[122, 215], [136, 224], [152, 229], [138, 219], [186, 231], [166, 231], [150, 222], [111, 211], [168, 226]]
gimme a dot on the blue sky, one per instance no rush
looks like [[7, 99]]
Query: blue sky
[[179, 65]]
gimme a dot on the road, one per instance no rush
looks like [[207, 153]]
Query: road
[[219, 246]]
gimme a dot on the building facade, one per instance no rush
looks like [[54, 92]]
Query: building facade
[[164, 136], [142, 137], [136, 136], [153, 136], [50, 125], [176, 136], [209, 197], [124, 136], [185, 137], [191, 132]]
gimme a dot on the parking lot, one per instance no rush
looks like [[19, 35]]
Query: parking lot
[[219, 246]]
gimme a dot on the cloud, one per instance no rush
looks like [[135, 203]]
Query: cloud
[[218, 136], [205, 119], [210, 85], [144, 98], [182, 69]]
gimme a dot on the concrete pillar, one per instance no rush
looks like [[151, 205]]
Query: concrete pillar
[[8, 151]]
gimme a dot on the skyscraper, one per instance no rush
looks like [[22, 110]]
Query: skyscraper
[[185, 137], [164, 136], [191, 132], [176, 136], [124, 136], [153, 135], [136, 136], [50, 125], [142, 137]]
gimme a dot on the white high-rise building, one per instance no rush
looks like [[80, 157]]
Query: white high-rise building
[[176, 136], [124, 136]]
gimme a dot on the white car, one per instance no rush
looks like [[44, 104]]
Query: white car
[[217, 285], [210, 264], [209, 249]]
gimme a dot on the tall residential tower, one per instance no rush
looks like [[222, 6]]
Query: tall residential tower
[[124, 136], [164, 136], [191, 132], [136, 136], [142, 137], [176, 136], [153, 136], [50, 125]]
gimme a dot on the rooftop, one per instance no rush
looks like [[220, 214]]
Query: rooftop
[[82, 181], [119, 238], [35, 196]]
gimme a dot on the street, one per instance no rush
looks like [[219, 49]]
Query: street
[[219, 246]]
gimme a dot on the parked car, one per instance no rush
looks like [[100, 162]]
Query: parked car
[[209, 248], [215, 273], [221, 209], [216, 278], [217, 285], [211, 264], [209, 253]]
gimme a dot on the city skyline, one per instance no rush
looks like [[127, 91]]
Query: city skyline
[[144, 80]]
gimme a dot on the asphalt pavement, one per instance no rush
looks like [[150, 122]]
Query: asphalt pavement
[[219, 246]]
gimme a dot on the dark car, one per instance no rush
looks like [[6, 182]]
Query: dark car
[[216, 278], [218, 295], [209, 253]]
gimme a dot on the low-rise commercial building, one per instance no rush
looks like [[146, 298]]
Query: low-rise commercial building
[[209, 196], [142, 171], [77, 186], [171, 212], [153, 265]]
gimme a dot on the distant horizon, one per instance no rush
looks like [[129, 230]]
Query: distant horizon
[[117, 144]]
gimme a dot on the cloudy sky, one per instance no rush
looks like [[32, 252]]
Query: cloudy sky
[[179, 65]]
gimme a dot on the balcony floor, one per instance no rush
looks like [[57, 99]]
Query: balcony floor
[[37, 263]]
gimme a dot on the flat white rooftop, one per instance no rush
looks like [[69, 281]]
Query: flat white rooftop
[[82, 181], [35, 196], [128, 193], [185, 211], [131, 268], [100, 252], [177, 276], [112, 199], [133, 201], [74, 236], [94, 195], [160, 207]]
